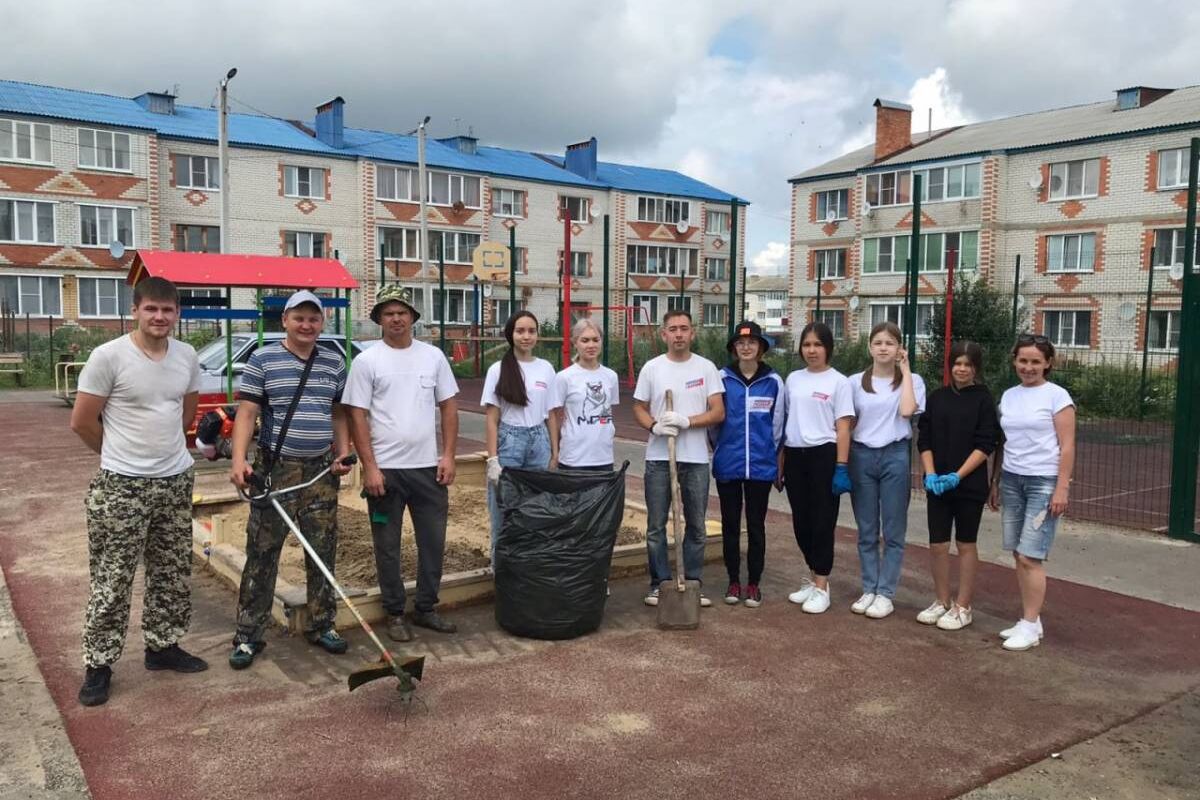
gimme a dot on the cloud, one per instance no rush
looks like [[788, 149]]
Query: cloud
[[771, 260], [932, 98]]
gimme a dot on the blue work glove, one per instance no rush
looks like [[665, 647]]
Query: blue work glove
[[948, 482], [933, 484], [841, 479]]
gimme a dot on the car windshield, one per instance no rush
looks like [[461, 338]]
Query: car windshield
[[212, 355]]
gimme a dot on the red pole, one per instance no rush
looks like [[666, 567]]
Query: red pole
[[951, 257], [566, 277]]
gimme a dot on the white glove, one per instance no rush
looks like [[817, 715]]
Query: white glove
[[675, 419], [494, 469], [663, 429]]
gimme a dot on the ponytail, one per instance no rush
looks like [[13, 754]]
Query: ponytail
[[511, 386], [893, 330]]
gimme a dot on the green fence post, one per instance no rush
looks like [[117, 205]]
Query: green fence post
[[914, 266], [1146, 337], [604, 356], [1016, 288], [1181, 522], [512, 270], [733, 238], [349, 329], [441, 300], [229, 346]]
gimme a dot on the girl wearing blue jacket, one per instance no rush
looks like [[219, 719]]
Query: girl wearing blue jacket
[[745, 455]]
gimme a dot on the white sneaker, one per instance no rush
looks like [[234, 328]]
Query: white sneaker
[[861, 605], [651, 598], [817, 602], [704, 601], [803, 593], [1008, 633], [955, 619], [880, 607], [931, 615], [1027, 636]]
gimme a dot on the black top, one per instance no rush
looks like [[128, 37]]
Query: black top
[[955, 423]]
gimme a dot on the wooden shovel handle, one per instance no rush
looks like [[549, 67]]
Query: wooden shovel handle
[[676, 504]]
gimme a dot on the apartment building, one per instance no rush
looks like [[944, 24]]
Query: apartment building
[[1090, 199], [79, 170], [767, 302]]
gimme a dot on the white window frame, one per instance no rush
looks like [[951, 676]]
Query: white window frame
[[1173, 319], [210, 233], [839, 329], [1179, 179], [841, 206], [666, 259], [716, 268], [410, 239], [16, 217], [900, 188], [1075, 326], [716, 223], [459, 247], [1062, 170], [21, 278], [122, 299], [10, 130], [399, 174], [821, 263], [111, 212], [579, 263], [212, 172], [502, 302], [663, 209], [650, 303], [512, 199], [715, 318], [899, 246], [291, 181], [309, 237], [945, 175], [674, 302], [466, 300], [1176, 249], [941, 238], [456, 189], [114, 137], [899, 316], [1058, 248], [580, 214]]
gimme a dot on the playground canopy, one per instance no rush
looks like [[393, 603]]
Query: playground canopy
[[242, 271]]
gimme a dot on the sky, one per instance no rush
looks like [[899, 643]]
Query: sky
[[742, 95]]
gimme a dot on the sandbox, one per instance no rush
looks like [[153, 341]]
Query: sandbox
[[219, 535]]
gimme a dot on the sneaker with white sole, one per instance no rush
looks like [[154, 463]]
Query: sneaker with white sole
[[817, 602], [931, 615], [704, 601], [861, 605], [880, 607], [955, 619], [753, 596], [651, 598], [803, 593], [1008, 633], [1026, 637]]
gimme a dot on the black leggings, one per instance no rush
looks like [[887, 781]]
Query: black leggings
[[756, 493], [963, 514], [808, 476]]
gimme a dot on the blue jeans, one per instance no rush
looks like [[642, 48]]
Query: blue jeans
[[880, 501], [524, 448], [693, 495], [1025, 511]]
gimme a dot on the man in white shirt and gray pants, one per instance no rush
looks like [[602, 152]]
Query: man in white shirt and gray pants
[[137, 397], [392, 394], [696, 391]]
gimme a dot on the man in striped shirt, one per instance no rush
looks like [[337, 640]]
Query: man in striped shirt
[[316, 435]]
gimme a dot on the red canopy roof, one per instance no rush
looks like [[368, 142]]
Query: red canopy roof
[[214, 269]]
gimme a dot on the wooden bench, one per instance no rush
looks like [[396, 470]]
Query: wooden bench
[[13, 364]]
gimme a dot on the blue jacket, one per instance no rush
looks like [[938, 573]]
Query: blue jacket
[[746, 444]]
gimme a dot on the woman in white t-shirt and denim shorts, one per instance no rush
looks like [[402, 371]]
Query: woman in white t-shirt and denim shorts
[[581, 405], [516, 394], [1038, 420]]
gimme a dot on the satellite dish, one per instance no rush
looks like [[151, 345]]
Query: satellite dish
[[1020, 301], [831, 216], [1035, 182], [681, 226], [1176, 272], [593, 212], [487, 290], [866, 207], [1126, 311], [854, 303], [117, 249]]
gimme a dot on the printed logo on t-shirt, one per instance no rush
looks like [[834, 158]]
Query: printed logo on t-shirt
[[694, 384], [539, 385], [761, 405], [596, 409], [820, 396]]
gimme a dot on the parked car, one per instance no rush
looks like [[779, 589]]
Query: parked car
[[212, 360]]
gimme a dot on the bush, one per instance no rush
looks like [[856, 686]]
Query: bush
[[1113, 388]]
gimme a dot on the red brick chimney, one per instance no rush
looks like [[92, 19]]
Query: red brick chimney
[[893, 128]]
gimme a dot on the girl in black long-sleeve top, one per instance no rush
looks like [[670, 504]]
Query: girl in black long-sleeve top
[[955, 436]]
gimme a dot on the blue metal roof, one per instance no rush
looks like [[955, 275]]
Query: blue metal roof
[[250, 130]]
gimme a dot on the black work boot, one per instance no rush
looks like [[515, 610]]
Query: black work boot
[[94, 691], [398, 630], [431, 620], [174, 658]]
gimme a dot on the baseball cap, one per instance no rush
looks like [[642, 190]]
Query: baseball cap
[[301, 297]]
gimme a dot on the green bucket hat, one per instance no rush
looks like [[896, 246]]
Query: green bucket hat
[[394, 294]]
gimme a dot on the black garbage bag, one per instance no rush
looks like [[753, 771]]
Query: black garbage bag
[[554, 549]]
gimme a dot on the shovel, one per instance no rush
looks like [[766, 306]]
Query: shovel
[[405, 671], [678, 599]]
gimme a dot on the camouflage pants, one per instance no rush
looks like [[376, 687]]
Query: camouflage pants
[[314, 510], [130, 520]]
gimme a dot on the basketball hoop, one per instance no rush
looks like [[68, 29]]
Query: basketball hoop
[[490, 261]]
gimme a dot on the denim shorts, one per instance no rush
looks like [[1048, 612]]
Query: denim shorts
[[1025, 510]]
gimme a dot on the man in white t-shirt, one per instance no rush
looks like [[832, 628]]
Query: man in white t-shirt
[[696, 388], [395, 394], [137, 396]]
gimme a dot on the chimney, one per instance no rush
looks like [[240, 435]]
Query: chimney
[[581, 159], [1138, 97], [156, 102], [893, 128], [329, 122], [467, 145]]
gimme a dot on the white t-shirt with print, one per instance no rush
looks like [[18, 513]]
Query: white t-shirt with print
[[878, 415], [586, 397], [400, 388], [539, 378], [815, 402], [691, 383], [1027, 419]]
